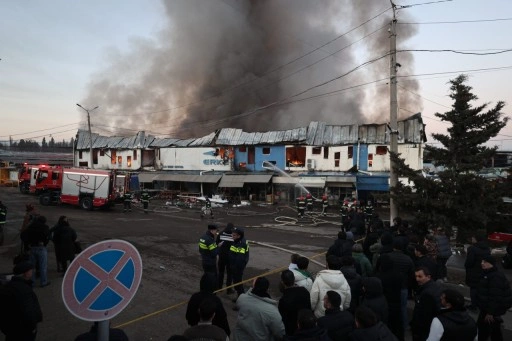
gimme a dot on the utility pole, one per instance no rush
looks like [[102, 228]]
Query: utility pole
[[90, 133], [393, 101]]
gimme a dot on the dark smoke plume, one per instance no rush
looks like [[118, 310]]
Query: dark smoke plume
[[235, 63]]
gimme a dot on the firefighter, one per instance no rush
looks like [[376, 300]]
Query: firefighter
[[309, 202], [209, 250], [3, 217], [344, 210], [325, 204], [207, 208], [238, 258], [368, 211], [145, 200], [127, 201], [301, 206]]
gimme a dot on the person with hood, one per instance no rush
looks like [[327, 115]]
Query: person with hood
[[354, 281], [294, 299], [453, 321], [338, 323], [475, 253], [238, 258], [360, 257], [427, 304], [385, 246], [226, 238], [302, 276], [392, 281], [20, 307], [37, 236], [341, 247], [369, 328], [308, 329], [373, 298], [258, 315], [494, 298], [63, 237], [206, 291], [403, 264], [329, 279]]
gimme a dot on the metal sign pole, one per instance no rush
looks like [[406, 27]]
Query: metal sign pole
[[103, 330]]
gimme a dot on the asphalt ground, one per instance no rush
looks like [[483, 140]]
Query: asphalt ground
[[166, 239]]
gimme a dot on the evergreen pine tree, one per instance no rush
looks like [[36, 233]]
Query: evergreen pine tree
[[459, 196]]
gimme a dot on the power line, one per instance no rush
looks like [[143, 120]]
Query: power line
[[422, 3], [37, 131], [458, 71], [454, 22], [460, 51]]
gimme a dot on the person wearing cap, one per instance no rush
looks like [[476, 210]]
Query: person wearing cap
[[453, 321], [238, 258], [494, 298], [209, 250], [20, 309]]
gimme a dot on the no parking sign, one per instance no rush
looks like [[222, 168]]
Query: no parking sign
[[102, 280]]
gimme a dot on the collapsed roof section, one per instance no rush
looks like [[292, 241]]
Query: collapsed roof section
[[410, 130]]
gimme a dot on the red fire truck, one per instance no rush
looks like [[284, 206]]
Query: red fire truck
[[87, 188]]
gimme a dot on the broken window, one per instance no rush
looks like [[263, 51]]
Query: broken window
[[381, 150], [316, 150]]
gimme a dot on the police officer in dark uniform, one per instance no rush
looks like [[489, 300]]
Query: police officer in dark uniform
[[209, 250], [226, 237], [145, 200], [238, 258]]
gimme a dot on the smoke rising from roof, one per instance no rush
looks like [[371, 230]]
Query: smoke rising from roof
[[218, 62]]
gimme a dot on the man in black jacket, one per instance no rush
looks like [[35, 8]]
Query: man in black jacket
[[474, 256], [209, 250], [20, 308], [494, 298], [226, 239], [37, 236], [453, 322], [368, 327], [428, 304], [294, 299], [341, 247], [338, 323], [206, 288], [238, 258]]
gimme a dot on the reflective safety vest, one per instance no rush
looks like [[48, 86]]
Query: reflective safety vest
[[144, 197], [3, 214], [127, 197], [301, 203], [239, 254], [208, 249]]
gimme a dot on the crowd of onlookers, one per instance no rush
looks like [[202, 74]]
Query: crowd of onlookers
[[363, 293]]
